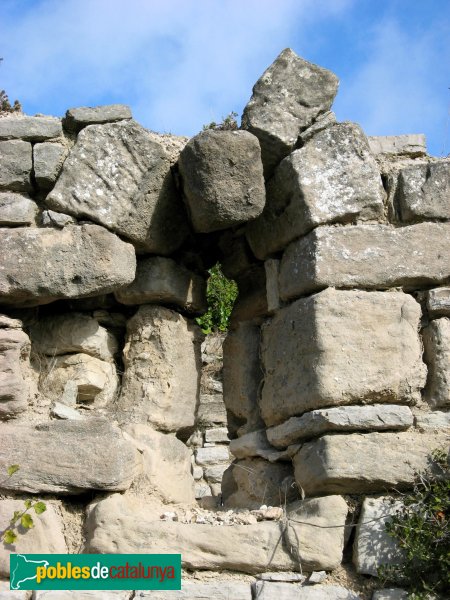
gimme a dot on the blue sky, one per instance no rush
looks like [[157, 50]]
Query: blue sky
[[182, 63]]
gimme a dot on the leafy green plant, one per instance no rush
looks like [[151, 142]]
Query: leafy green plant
[[421, 529], [221, 294], [229, 123], [21, 517], [5, 104]]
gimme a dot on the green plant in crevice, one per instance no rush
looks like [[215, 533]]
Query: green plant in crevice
[[21, 517], [229, 123], [221, 294], [421, 528]]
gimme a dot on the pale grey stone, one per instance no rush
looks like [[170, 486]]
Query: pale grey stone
[[218, 589], [62, 411], [162, 281], [17, 209], [346, 418], [423, 192], [390, 594], [436, 340], [286, 577], [373, 546], [16, 164], [119, 176], [341, 347], [218, 434], [162, 370], [45, 537], [212, 455], [288, 97], [254, 443], [317, 577], [82, 595], [77, 118], [33, 129], [296, 591], [223, 180], [202, 490], [252, 482], [211, 411], [384, 461], [43, 265], [333, 178], [13, 594], [50, 218], [197, 472], [323, 121], [369, 256], [433, 420], [67, 457], [48, 159], [15, 371], [214, 474], [411, 144], [438, 302], [70, 393]]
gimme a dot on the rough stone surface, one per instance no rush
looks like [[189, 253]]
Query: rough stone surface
[[13, 595], [384, 461], [373, 546], [333, 178], [235, 254], [212, 455], [265, 590], [242, 376], [48, 160], [42, 265], [162, 369], [211, 411], [162, 281], [33, 129], [218, 434], [423, 192], [222, 178], [251, 302], [412, 144], [62, 411], [82, 595], [68, 457], [287, 98], [51, 218], [77, 118], [369, 256], [254, 443], [118, 176], [73, 332], [433, 420], [341, 347], [436, 340], [46, 537], [390, 594], [15, 373], [438, 302], [16, 164], [343, 418], [251, 482], [17, 209], [196, 590], [119, 524], [166, 465]]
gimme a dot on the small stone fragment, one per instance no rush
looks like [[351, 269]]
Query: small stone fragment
[[17, 210]]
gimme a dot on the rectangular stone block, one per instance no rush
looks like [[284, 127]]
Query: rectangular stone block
[[225, 589], [218, 434], [436, 341], [438, 302], [212, 455], [33, 129], [368, 256], [411, 144], [15, 165], [296, 591], [341, 347], [17, 209]]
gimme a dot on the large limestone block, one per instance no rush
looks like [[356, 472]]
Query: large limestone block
[[166, 465], [242, 376], [46, 537], [67, 457], [17, 210], [48, 159], [436, 340], [265, 590], [219, 589], [212, 455], [423, 192], [438, 302], [162, 281], [33, 129], [42, 265], [333, 178], [368, 256], [287, 98], [223, 181], [252, 482], [77, 118], [15, 372], [119, 176], [411, 145], [370, 462], [379, 417], [95, 381], [73, 332], [373, 546], [341, 347], [15, 165], [120, 524], [162, 360]]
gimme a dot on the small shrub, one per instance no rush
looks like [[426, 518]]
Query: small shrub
[[421, 529], [5, 104], [229, 123], [221, 294]]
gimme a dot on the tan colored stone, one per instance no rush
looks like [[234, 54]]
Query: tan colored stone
[[15, 372], [438, 302], [221, 589], [436, 339]]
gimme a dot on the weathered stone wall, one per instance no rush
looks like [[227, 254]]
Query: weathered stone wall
[[335, 387]]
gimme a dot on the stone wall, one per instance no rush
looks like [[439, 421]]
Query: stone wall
[[336, 374]]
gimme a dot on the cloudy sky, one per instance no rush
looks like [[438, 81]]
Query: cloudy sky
[[182, 63]]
